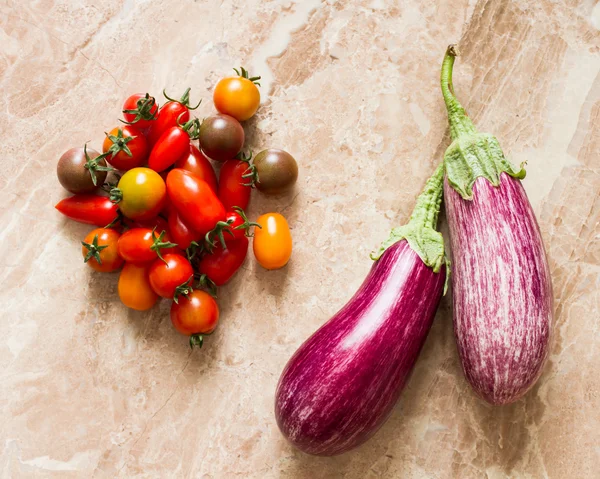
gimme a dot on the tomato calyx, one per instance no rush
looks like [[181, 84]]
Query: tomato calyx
[[93, 250], [250, 174], [207, 284], [158, 244], [115, 194], [143, 110], [93, 165], [184, 100], [191, 127], [197, 340], [247, 224], [119, 143], [220, 228], [193, 250], [244, 74], [183, 289]]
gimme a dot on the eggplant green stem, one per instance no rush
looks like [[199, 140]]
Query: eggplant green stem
[[471, 154], [420, 232]]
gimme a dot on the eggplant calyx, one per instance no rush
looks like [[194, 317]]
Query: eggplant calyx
[[420, 232], [471, 154]]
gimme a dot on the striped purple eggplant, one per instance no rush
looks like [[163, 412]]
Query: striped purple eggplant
[[342, 383], [502, 292]]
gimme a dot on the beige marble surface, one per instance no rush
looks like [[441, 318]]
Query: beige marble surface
[[90, 389]]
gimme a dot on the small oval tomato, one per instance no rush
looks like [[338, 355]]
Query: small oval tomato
[[171, 276], [169, 114], [99, 250], [195, 315], [182, 234], [140, 109], [90, 209], [221, 137], [222, 263], [140, 245], [235, 183], [197, 163], [173, 144], [80, 170], [273, 241], [127, 147], [134, 287], [194, 200], [141, 193], [237, 96]]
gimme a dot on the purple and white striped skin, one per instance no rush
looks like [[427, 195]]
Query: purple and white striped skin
[[502, 290], [343, 382], [502, 293]]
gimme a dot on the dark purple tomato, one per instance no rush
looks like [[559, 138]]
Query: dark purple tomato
[[79, 173], [221, 137], [277, 171]]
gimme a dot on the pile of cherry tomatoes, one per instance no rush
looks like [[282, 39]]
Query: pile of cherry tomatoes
[[164, 220]]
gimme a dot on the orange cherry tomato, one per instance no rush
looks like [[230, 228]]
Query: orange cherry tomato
[[99, 250], [237, 96], [134, 287], [272, 241], [195, 315], [141, 194]]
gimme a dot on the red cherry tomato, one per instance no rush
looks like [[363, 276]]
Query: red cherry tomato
[[194, 200], [170, 276], [140, 245], [90, 209], [169, 114], [234, 190], [140, 109], [172, 145], [195, 315], [182, 234], [222, 263], [99, 250], [197, 163], [127, 146]]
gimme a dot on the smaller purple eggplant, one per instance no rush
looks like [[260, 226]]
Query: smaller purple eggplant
[[341, 385]]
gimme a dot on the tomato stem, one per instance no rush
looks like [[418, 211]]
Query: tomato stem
[[218, 230], [143, 110], [183, 289], [206, 284], [196, 340], [244, 74], [159, 244], [92, 165], [251, 172], [191, 127], [93, 250], [115, 195], [119, 143], [118, 219], [184, 100], [246, 224]]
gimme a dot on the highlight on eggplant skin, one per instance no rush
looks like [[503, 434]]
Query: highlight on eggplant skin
[[501, 285], [343, 382]]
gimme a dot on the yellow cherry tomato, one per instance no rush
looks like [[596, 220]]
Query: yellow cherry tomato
[[134, 287], [237, 96], [141, 193], [273, 241]]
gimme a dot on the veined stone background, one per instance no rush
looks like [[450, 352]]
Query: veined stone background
[[350, 88]]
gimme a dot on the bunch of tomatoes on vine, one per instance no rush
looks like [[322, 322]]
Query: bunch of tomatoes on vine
[[172, 228]]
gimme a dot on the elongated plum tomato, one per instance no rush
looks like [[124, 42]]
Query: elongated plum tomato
[[99, 250], [90, 209], [126, 147], [273, 241], [134, 287], [237, 96], [172, 145], [234, 189], [222, 263], [195, 315], [221, 137], [194, 200], [140, 109], [141, 245], [141, 193], [169, 115], [169, 277], [81, 170], [197, 163]]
